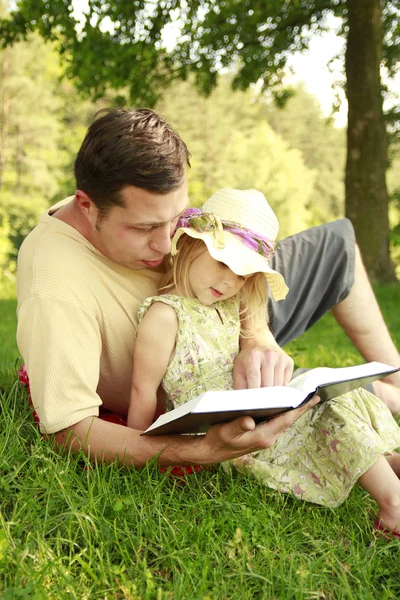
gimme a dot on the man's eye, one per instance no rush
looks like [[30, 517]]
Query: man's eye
[[147, 230]]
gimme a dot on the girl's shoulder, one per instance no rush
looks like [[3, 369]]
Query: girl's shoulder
[[186, 308], [175, 302]]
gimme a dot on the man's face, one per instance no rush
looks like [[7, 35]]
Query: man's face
[[138, 236]]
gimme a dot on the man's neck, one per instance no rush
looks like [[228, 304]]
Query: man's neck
[[72, 216]]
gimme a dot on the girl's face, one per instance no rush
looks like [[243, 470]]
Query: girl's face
[[212, 281]]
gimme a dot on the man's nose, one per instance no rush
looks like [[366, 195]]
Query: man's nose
[[161, 240]]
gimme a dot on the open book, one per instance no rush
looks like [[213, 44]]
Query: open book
[[213, 407]]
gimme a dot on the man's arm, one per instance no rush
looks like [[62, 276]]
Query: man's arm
[[104, 441], [61, 344]]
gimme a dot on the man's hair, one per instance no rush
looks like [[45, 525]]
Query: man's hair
[[252, 296], [129, 147]]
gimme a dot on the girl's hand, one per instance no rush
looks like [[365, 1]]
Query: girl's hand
[[261, 366]]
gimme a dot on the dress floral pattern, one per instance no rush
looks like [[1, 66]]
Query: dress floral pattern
[[206, 345], [322, 455]]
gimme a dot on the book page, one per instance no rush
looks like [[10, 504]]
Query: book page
[[275, 396], [306, 382]]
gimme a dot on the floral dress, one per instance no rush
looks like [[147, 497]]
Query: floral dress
[[207, 343], [322, 455]]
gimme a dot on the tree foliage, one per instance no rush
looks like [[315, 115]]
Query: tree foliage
[[29, 133], [236, 138], [40, 133], [233, 145], [323, 148], [120, 44]]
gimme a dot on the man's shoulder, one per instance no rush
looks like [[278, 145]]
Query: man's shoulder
[[47, 252], [54, 261]]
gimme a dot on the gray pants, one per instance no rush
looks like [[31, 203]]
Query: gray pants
[[318, 267]]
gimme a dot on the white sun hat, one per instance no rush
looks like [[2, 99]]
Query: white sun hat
[[239, 229]]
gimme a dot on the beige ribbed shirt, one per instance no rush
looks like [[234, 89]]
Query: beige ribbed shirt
[[76, 323]]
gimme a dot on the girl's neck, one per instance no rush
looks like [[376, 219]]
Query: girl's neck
[[172, 291]]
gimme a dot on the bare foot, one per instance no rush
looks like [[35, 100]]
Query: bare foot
[[389, 394], [394, 462], [389, 521]]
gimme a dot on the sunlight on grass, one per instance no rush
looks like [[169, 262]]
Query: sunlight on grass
[[69, 529], [8, 322]]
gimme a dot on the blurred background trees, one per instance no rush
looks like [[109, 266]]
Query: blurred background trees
[[239, 138]]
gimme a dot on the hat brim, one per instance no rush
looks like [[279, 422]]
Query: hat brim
[[238, 257]]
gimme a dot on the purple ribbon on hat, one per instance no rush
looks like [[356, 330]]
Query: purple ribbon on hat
[[201, 221], [188, 214]]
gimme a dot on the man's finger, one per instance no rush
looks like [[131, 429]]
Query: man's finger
[[288, 374], [268, 375], [277, 373], [230, 432], [239, 380], [288, 371], [241, 425], [278, 424], [253, 374]]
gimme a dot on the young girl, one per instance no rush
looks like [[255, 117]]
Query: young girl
[[188, 338]]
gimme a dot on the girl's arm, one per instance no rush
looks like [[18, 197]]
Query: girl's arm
[[155, 343]]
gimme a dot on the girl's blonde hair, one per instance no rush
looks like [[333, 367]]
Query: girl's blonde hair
[[252, 296]]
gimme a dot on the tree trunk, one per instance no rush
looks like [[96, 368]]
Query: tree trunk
[[19, 158], [366, 193]]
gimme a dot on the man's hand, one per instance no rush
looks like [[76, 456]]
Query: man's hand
[[243, 436], [261, 366], [104, 441]]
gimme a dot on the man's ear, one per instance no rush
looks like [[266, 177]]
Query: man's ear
[[87, 207]]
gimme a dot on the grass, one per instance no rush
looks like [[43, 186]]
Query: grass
[[8, 323], [73, 530], [326, 344]]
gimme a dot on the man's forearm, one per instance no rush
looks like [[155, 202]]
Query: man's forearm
[[104, 441], [107, 442]]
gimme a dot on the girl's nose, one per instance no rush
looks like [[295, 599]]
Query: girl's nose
[[230, 278]]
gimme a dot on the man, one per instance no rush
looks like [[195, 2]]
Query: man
[[85, 269]]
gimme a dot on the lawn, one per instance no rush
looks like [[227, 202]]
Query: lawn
[[8, 323], [69, 529]]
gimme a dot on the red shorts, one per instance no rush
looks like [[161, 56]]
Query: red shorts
[[107, 415]]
